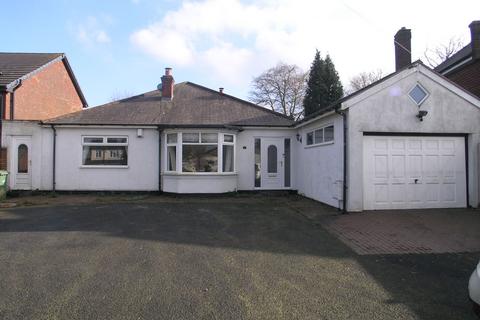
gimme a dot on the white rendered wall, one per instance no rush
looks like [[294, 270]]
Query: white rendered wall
[[388, 108], [245, 154], [319, 168], [141, 174], [190, 183], [41, 156]]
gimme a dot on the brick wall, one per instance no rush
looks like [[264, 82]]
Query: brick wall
[[468, 77], [3, 159], [47, 94]]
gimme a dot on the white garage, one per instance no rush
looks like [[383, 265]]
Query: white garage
[[413, 172]]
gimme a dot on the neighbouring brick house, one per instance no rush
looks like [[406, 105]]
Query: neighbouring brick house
[[36, 86], [463, 67]]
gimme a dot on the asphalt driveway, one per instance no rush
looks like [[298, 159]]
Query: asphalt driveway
[[217, 258]]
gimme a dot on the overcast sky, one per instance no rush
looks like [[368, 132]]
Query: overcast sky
[[119, 48]]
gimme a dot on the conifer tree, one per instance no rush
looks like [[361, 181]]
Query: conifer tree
[[323, 85]]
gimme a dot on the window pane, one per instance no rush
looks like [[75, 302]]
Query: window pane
[[93, 139], [116, 140], [319, 136], [22, 165], [190, 137], [104, 155], [272, 159], [209, 137], [328, 133], [418, 94], [287, 162], [171, 158], [228, 137], [257, 163], [172, 138], [309, 138], [200, 158], [228, 157]]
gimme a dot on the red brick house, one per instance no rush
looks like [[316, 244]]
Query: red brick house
[[463, 67], [36, 86]]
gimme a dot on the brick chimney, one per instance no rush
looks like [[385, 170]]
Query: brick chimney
[[167, 84], [475, 43], [403, 48]]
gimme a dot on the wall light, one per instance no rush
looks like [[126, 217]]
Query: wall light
[[299, 137], [421, 114]]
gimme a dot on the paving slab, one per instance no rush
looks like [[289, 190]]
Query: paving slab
[[408, 231]]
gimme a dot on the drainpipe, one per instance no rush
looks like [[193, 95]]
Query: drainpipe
[[344, 116], [159, 159], [54, 156], [12, 97]]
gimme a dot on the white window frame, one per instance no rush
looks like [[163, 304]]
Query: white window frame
[[315, 144], [179, 151], [227, 143], [172, 144], [103, 144], [424, 98]]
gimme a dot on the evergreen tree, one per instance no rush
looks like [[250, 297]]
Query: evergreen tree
[[323, 86]]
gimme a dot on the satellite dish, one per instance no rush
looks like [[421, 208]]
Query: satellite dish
[[159, 87]]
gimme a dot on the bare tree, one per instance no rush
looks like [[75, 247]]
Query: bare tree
[[437, 55], [364, 79], [119, 95], [281, 89]]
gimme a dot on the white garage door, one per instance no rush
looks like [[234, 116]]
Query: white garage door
[[405, 172]]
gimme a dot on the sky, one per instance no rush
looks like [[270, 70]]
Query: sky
[[119, 48]]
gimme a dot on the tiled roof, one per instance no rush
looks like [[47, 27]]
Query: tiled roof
[[461, 55], [14, 66], [192, 105]]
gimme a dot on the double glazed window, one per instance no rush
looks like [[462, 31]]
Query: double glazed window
[[200, 152], [321, 135], [105, 151]]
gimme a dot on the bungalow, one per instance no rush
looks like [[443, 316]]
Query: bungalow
[[410, 140]]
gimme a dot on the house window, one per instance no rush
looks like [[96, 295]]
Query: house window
[[320, 135], [172, 152], [201, 152], [228, 153], [287, 162], [418, 94], [258, 161], [105, 151]]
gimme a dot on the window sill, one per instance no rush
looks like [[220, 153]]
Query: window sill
[[319, 144], [103, 167], [199, 174]]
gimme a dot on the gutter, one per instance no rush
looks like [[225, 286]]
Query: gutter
[[344, 191], [54, 156]]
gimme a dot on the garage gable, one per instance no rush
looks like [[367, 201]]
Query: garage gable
[[389, 107]]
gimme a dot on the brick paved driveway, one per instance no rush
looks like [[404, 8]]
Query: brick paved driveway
[[411, 231]]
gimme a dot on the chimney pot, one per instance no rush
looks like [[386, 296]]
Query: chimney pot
[[475, 39], [167, 84], [220, 90], [403, 48]]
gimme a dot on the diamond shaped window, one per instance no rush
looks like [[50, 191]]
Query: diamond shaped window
[[418, 94]]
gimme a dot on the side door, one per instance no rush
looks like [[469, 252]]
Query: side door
[[21, 165]]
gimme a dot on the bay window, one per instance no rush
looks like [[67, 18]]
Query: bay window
[[104, 151], [200, 152], [172, 152]]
